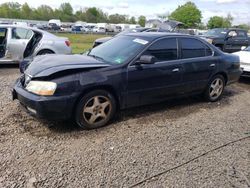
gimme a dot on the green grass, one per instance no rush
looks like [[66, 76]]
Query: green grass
[[81, 42]]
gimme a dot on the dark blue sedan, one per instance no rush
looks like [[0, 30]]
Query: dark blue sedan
[[126, 71]]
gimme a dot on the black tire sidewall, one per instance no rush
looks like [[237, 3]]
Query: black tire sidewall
[[44, 52], [207, 92], [80, 121]]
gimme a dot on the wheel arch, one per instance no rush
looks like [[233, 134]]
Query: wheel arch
[[45, 49], [224, 75]]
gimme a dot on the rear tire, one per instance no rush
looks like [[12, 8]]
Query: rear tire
[[44, 52], [95, 109], [215, 88]]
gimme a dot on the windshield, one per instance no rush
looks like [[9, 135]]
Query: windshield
[[119, 49], [247, 49], [216, 32]]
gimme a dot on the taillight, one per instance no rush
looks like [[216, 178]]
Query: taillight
[[67, 42]]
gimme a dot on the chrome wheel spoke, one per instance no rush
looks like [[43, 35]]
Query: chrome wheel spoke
[[88, 110], [93, 118], [105, 105], [96, 101]]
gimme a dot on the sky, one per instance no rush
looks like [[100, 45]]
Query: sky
[[239, 9]]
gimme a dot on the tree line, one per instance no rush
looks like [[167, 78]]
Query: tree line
[[189, 14], [65, 13]]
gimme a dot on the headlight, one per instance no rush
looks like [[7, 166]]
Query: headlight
[[42, 87], [210, 41]]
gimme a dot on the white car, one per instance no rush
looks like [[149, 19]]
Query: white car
[[19, 42], [244, 56], [99, 30]]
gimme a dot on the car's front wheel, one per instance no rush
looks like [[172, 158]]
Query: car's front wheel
[[215, 88], [95, 109]]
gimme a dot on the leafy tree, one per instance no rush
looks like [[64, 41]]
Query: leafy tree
[[66, 12], [43, 12], [10, 10], [142, 21], [219, 22], [132, 20], [26, 11], [188, 14], [117, 18], [243, 26]]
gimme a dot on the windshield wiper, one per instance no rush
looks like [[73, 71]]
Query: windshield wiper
[[97, 57]]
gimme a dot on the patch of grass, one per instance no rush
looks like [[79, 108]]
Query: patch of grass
[[81, 42]]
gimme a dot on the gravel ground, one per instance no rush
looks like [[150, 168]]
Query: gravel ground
[[180, 143]]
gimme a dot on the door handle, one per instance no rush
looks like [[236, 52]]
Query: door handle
[[212, 65], [176, 70]]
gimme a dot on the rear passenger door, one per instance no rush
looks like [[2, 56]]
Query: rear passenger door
[[18, 42], [199, 64]]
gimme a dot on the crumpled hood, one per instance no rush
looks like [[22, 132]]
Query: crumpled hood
[[47, 65]]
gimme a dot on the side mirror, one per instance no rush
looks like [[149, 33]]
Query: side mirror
[[146, 59]]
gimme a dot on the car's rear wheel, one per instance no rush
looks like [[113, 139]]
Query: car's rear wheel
[[95, 109], [215, 88], [44, 52]]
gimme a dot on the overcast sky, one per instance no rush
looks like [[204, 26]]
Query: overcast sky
[[239, 9]]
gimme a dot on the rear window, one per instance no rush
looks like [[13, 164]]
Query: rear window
[[193, 48], [21, 33]]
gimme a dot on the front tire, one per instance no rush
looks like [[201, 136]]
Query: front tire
[[215, 88], [95, 109]]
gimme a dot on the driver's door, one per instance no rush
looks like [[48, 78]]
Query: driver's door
[[149, 83], [17, 43]]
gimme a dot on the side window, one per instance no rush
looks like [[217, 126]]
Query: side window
[[20, 33], [192, 48], [241, 34], [163, 50]]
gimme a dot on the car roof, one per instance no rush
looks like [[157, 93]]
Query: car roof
[[20, 26], [155, 35]]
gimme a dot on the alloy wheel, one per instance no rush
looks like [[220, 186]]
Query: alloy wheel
[[97, 109], [216, 88]]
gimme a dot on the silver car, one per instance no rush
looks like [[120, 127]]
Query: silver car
[[19, 42]]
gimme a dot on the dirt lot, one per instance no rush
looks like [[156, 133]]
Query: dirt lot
[[181, 143]]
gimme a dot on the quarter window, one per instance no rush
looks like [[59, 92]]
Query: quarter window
[[192, 48], [163, 50], [20, 33]]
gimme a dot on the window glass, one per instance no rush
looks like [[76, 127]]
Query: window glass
[[241, 34], [192, 48], [20, 33], [163, 50], [119, 49], [2, 32]]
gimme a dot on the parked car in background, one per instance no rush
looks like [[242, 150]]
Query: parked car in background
[[17, 43], [99, 30], [127, 71], [136, 30], [167, 26], [76, 28], [244, 56], [54, 27], [228, 40]]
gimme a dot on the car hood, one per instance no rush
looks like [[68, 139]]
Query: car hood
[[47, 65]]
